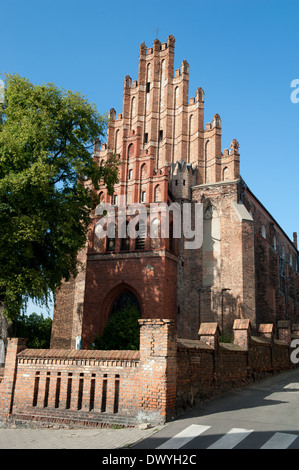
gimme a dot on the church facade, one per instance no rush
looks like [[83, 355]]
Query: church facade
[[245, 267]]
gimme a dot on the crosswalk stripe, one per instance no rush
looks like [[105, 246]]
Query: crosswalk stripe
[[231, 439], [280, 440], [183, 437], [292, 386]]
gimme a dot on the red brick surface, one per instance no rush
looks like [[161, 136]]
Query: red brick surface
[[154, 384], [168, 154]]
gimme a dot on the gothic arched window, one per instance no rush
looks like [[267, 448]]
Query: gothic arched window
[[110, 242], [140, 239], [157, 193], [125, 240], [155, 228], [116, 143], [264, 234], [124, 300], [171, 238], [225, 173]]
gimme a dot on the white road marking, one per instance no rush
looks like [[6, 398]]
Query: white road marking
[[280, 440], [231, 439], [294, 385], [183, 437]]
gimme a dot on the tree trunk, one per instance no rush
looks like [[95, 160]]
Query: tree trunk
[[5, 332]]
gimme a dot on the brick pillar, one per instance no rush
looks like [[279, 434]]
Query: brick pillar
[[75, 390], [98, 394], [41, 390], [284, 331], [209, 333], [14, 346], [157, 379], [242, 333], [266, 330], [295, 329]]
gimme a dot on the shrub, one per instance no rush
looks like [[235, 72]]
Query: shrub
[[35, 328], [121, 332]]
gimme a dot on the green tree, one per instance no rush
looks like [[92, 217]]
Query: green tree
[[121, 332], [35, 328], [48, 183]]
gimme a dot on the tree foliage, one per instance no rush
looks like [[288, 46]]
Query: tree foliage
[[48, 183], [121, 332], [35, 328]]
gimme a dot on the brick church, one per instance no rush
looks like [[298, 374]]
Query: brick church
[[247, 267]]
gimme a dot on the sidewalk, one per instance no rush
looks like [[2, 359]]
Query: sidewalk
[[96, 438]]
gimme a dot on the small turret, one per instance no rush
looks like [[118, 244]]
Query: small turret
[[181, 177], [234, 147], [216, 121]]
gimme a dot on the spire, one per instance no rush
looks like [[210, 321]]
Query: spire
[[157, 32]]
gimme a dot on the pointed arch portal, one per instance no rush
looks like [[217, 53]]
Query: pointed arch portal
[[118, 298], [124, 299]]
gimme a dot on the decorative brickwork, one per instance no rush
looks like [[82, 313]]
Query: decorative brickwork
[[247, 267], [93, 387]]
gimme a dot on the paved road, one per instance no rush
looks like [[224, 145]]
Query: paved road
[[263, 416]]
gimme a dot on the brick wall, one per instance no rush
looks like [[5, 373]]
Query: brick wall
[[150, 276], [226, 269], [207, 367], [276, 266], [166, 376], [94, 387]]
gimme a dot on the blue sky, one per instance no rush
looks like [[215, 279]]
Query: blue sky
[[244, 54]]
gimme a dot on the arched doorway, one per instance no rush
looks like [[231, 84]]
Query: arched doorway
[[117, 297], [125, 299], [122, 330]]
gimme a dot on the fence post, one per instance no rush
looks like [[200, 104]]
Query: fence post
[[242, 333], [209, 333], [284, 331]]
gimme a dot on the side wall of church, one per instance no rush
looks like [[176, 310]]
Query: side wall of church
[[219, 277], [276, 260]]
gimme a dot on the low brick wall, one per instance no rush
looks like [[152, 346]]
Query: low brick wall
[[231, 365], [76, 384], [93, 387], [195, 372], [207, 367], [87, 381], [167, 375]]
